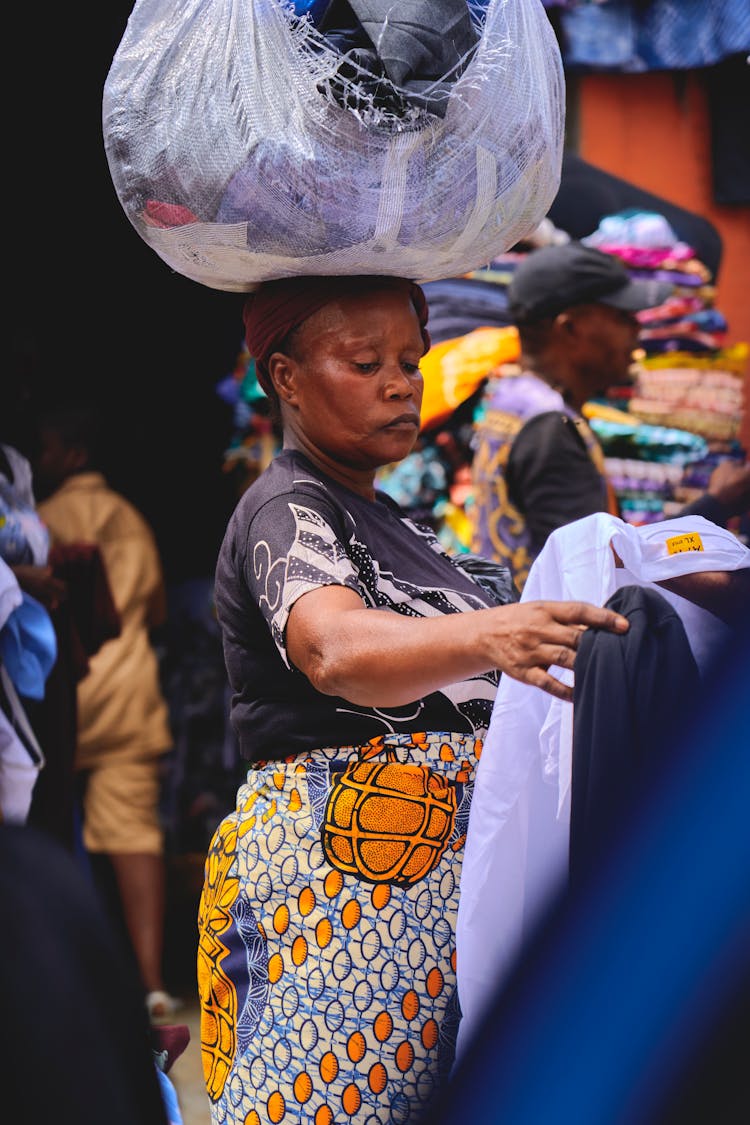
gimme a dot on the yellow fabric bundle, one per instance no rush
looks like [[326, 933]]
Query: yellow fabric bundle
[[607, 413], [454, 369], [733, 358]]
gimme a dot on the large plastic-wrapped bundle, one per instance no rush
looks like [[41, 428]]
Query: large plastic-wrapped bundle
[[241, 149]]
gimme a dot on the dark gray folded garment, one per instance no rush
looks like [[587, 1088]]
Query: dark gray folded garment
[[421, 45], [419, 40]]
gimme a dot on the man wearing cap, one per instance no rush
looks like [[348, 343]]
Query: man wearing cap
[[537, 465]]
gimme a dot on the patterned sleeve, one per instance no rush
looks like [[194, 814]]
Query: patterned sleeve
[[295, 545]]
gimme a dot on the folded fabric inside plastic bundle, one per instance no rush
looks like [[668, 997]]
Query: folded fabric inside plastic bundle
[[419, 46], [241, 151]]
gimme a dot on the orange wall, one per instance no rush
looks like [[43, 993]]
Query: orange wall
[[654, 130]]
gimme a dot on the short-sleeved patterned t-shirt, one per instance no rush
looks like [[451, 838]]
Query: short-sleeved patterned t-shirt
[[294, 530]]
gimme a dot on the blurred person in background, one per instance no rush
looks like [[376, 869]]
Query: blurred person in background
[[537, 463], [123, 722]]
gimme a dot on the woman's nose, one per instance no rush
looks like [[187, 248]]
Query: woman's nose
[[399, 384]]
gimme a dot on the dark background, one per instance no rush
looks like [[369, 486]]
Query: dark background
[[92, 311]]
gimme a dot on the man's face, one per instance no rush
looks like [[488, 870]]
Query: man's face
[[603, 344]]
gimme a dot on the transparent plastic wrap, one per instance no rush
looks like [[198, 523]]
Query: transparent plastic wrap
[[241, 150]]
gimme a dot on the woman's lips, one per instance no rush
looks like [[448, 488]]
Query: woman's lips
[[403, 421]]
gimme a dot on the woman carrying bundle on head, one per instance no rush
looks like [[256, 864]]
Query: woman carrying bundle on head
[[364, 662]]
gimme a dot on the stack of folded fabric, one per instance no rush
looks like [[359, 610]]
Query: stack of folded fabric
[[646, 464], [688, 384], [700, 393], [254, 440]]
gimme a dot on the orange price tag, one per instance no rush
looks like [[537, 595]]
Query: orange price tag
[[679, 543]]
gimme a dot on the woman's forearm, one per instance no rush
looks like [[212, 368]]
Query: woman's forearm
[[378, 658]]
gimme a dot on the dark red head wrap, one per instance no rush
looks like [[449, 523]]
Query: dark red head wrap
[[276, 308]]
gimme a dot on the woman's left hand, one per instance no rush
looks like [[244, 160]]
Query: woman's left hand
[[531, 637]]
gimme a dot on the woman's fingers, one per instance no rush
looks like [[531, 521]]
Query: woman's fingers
[[547, 634], [541, 657], [553, 686], [562, 624], [591, 616], [564, 658]]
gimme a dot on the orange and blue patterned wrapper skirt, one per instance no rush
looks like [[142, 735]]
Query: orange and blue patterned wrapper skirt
[[326, 962]]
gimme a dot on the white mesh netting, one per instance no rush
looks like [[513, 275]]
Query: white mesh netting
[[237, 159]]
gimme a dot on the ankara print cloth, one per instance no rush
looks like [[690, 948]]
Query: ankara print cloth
[[295, 530], [327, 954]]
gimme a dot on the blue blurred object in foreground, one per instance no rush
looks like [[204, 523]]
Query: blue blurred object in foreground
[[169, 1094]]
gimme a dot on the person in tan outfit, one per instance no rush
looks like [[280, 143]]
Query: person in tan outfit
[[123, 720]]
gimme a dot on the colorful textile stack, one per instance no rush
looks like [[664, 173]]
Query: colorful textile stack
[[685, 404], [254, 441], [702, 394], [646, 464]]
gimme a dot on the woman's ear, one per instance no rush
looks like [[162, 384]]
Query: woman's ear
[[281, 371]]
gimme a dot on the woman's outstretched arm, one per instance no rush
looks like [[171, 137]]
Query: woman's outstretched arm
[[377, 658]]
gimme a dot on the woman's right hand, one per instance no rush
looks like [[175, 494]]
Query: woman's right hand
[[529, 637]]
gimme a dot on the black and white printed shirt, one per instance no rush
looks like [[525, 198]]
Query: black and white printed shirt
[[294, 530]]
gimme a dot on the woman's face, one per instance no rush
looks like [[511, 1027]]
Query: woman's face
[[351, 389]]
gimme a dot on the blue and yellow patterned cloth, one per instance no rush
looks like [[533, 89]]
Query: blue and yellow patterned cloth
[[327, 934]]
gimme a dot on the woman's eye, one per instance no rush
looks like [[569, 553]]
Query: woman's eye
[[365, 368], [411, 368]]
